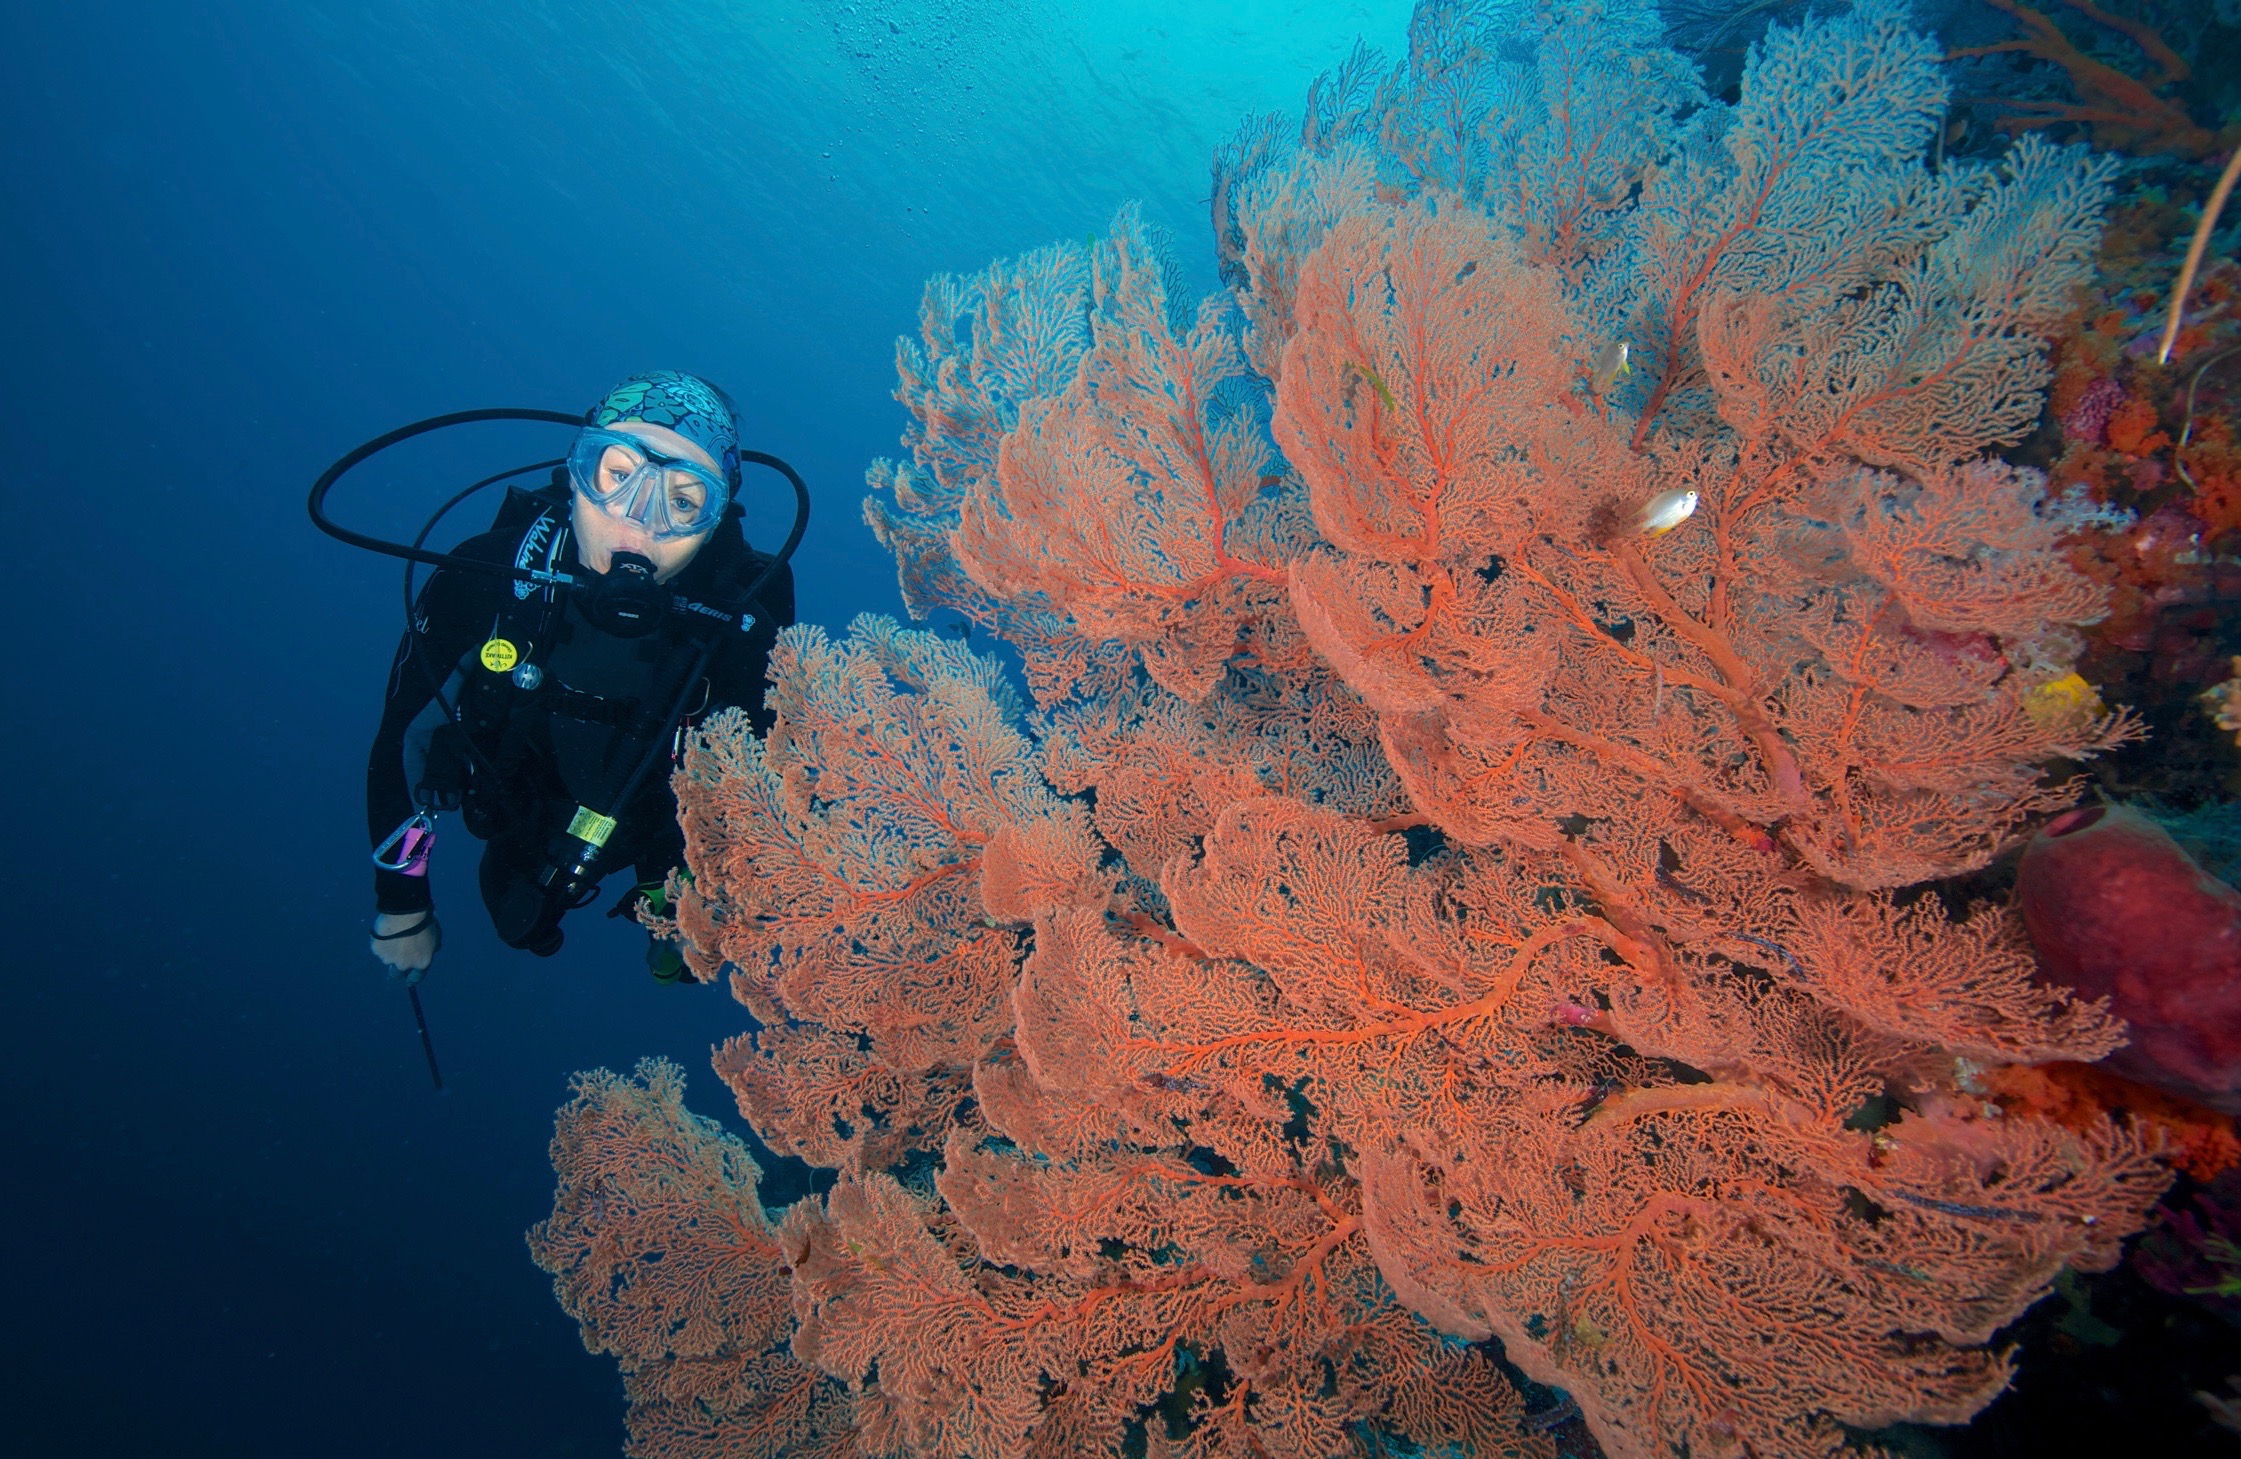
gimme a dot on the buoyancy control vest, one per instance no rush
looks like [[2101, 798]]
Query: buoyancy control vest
[[566, 713]]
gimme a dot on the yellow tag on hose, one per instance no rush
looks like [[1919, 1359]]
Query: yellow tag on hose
[[591, 827], [500, 655]]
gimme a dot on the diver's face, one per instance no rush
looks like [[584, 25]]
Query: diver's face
[[599, 536]]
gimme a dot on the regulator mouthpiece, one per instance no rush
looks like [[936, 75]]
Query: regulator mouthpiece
[[625, 600]]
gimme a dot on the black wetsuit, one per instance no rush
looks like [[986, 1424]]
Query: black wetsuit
[[575, 739]]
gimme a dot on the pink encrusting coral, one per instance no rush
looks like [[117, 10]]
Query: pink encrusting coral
[[2088, 420], [1422, 918]]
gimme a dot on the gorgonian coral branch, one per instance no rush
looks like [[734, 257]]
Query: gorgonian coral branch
[[1463, 890]]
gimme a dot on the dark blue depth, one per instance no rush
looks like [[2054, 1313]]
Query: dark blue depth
[[239, 239]]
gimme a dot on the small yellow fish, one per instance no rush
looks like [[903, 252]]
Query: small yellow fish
[[1376, 384], [1665, 511], [1610, 365], [2224, 702], [2060, 700]]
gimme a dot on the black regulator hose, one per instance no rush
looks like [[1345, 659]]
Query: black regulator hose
[[378, 444], [415, 552], [785, 551]]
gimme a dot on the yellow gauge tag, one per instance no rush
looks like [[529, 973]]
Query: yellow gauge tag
[[590, 827], [499, 655]]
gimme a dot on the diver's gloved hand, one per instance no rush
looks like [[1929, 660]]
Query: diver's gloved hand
[[407, 942]]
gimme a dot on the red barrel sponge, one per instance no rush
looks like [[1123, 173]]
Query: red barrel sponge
[[2119, 910]]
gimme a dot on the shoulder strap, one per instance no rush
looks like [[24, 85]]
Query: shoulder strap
[[526, 619]]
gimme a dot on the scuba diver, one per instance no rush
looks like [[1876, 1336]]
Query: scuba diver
[[603, 615]]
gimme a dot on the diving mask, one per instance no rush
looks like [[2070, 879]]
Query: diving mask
[[625, 477]]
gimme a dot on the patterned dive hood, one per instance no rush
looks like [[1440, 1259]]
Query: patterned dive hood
[[686, 404]]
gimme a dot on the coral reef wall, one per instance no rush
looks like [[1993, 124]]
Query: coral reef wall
[[1448, 920]]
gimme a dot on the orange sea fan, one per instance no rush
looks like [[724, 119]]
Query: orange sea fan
[[1423, 910]]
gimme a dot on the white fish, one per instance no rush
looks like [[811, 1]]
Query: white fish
[[1665, 511], [1610, 364]]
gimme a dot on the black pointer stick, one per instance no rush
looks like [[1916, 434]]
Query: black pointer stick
[[427, 1045]]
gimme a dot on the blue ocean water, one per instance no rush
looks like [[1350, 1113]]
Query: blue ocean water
[[239, 239]]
